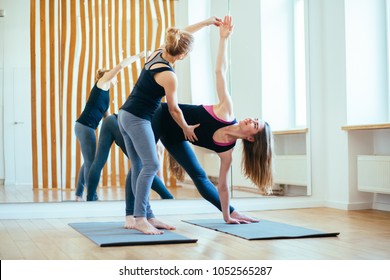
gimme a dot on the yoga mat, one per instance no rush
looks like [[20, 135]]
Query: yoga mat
[[108, 234], [262, 230]]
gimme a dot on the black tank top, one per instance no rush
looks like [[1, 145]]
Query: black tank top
[[147, 93], [170, 131], [97, 104]]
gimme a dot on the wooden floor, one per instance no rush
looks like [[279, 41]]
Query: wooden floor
[[364, 235]]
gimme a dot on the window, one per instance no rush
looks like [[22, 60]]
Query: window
[[283, 63], [367, 61]]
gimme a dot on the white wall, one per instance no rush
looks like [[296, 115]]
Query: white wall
[[1, 97], [366, 42], [334, 97], [333, 163], [15, 93]]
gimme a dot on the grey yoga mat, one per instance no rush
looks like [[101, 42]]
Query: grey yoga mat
[[108, 234], [262, 230]]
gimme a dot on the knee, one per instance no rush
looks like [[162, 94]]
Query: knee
[[87, 163], [152, 166], [98, 163]]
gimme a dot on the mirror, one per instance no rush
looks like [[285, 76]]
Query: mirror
[[54, 48], [43, 168]]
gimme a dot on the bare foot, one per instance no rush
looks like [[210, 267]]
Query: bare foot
[[158, 224], [237, 215], [144, 226], [129, 222], [79, 198]]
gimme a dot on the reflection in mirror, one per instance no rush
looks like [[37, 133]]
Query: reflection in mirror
[[98, 35], [51, 53], [52, 50], [269, 81]]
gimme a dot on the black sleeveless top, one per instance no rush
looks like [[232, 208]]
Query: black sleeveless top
[[147, 93], [165, 126], [97, 104]]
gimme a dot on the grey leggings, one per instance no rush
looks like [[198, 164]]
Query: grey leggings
[[87, 139], [141, 148]]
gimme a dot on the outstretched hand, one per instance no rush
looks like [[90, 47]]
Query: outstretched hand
[[226, 27], [214, 21]]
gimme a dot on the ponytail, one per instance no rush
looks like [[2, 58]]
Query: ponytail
[[178, 42]]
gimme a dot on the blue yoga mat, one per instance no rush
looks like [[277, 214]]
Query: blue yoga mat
[[262, 230], [106, 234]]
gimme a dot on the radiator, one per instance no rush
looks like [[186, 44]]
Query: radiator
[[373, 173], [290, 170]]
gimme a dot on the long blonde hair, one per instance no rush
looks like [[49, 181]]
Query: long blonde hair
[[257, 163], [176, 169], [178, 41]]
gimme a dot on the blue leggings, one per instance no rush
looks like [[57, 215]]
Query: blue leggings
[[141, 148], [109, 133], [185, 156], [87, 139]]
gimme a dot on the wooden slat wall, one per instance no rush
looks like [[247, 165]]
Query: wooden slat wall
[[93, 34], [34, 137]]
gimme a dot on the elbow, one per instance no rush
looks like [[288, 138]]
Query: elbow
[[173, 107], [220, 73], [173, 110]]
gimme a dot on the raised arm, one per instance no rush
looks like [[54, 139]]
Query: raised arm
[[204, 23], [225, 105], [192, 28], [114, 71]]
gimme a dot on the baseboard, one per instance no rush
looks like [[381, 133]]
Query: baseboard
[[349, 206], [160, 207], [381, 206]]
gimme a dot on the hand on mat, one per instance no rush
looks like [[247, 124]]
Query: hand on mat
[[238, 216], [236, 221]]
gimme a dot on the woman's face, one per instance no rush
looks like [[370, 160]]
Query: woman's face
[[252, 126]]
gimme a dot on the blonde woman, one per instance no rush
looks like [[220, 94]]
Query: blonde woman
[[157, 80]]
